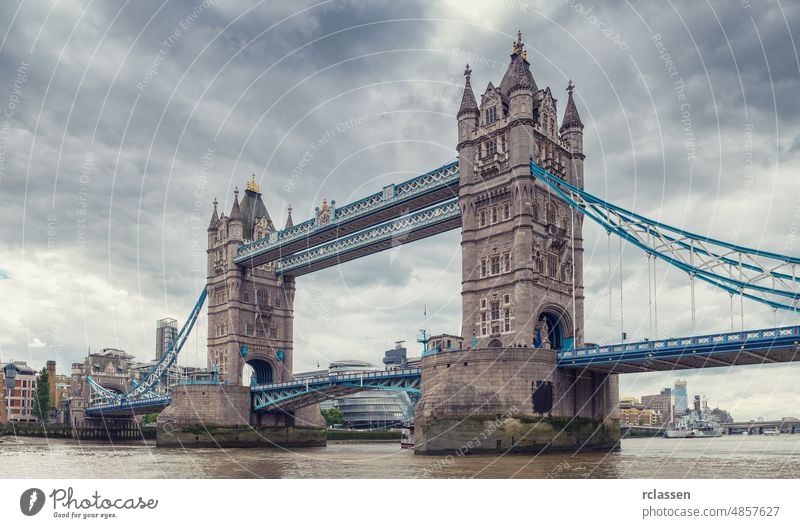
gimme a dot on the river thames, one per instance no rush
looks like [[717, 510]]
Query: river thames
[[724, 457]]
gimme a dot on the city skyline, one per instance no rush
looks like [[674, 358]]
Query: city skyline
[[105, 232]]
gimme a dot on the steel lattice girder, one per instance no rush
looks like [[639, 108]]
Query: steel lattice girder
[[766, 277], [704, 347], [439, 218], [328, 387], [417, 193]]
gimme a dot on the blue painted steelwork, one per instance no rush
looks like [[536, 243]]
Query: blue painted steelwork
[[765, 277], [392, 195], [144, 390], [395, 231], [693, 346], [316, 389], [152, 403]]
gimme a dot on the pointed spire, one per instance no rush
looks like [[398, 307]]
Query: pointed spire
[[236, 212], [214, 218], [571, 117], [518, 73], [289, 222], [468, 104]]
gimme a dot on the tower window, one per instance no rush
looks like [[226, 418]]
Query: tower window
[[491, 115], [483, 304], [506, 211], [495, 265], [551, 213], [494, 215], [483, 268], [504, 140], [491, 148], [495, 317], [552, 265], [484, 327], [507, 320], [483, 218], [507, 262], [506, 299]]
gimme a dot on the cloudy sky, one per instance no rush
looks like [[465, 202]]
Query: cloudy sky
[[122, 121]]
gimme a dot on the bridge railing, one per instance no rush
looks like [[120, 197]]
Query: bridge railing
[[442, 176], [340, 377], [130, 404], [703, 341]]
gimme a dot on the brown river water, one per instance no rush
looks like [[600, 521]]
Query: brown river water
[[724, 457]]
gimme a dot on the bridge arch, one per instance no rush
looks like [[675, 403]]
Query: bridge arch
[[553, 326], [258, 370]]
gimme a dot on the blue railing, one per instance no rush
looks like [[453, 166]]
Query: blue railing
[[436, 179], [729, 341], [339, 378], [156, 401]]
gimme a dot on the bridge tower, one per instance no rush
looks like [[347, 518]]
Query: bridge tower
[[522, 279], [250, 309], [522, 286]]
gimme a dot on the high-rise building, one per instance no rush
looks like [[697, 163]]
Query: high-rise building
[[662, 403], [166, 332], [396, 357], [681, 398]]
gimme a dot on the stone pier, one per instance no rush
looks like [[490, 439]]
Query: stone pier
[[219, 416], [512, 400]]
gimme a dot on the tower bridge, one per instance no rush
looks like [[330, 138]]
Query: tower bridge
[[517, 194]]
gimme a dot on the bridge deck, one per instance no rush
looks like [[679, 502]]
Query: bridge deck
[[136, 406], [393, 202], [295, 394], [415, 226], [749, 347]]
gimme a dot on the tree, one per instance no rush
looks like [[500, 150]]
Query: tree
[[42, 400], [333, 416]]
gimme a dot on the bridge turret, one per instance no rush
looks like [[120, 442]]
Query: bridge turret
[[572, 133], [467, 124], [235, 221]]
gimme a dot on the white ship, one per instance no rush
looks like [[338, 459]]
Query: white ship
[[693, 427]]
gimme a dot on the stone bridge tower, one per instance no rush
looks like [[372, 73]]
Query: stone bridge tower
[[250, 310], [522, 287], [522, 278]]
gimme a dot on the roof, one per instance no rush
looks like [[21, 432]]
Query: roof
[[571, 116], [518, 73], [252, 208]]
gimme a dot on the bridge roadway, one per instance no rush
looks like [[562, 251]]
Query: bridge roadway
[[415, 226], [748, 347], [394, 201], [789, 425], [296, 394]]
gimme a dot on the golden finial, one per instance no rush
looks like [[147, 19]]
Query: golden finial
[[252, 185], [524, 54]]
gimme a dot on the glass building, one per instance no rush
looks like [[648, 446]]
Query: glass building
[[372, 409], [681, 397]]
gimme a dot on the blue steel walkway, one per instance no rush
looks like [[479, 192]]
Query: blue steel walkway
[[296, 394], [748, 347]]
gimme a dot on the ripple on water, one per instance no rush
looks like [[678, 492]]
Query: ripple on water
[[726, 457]]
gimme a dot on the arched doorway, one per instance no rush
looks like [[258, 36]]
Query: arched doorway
[[553, 328], [257, 371], [495, 343]]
